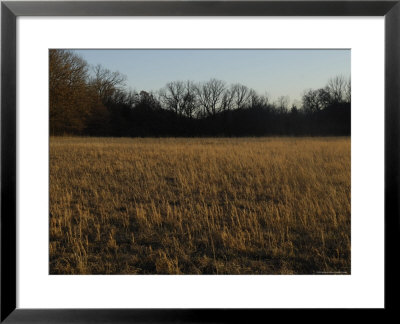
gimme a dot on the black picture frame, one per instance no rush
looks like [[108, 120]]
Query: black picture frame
[[10, 10]]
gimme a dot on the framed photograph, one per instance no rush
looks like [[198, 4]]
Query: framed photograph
[[197, 161]]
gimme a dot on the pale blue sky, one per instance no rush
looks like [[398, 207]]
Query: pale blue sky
[[277, 72]]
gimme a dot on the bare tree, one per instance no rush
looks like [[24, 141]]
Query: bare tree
[[227, 100], [240, 94], [336, 87], [203, 97], [347, 91], [255, 100], [217, 88], [189, 99], [106, 82], [172, 95], [210, 96]]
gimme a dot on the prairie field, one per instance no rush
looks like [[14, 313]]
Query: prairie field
[[199, 205]]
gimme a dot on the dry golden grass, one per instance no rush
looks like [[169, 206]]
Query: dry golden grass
[[199, 206]]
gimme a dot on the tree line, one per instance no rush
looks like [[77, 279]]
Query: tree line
[[94, 101]]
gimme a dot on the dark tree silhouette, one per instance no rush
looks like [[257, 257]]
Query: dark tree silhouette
[[97, 103]]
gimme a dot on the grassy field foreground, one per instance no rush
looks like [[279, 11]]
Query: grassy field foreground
[[199, 206]]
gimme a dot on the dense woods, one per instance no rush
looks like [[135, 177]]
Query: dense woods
[[94, 101]]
